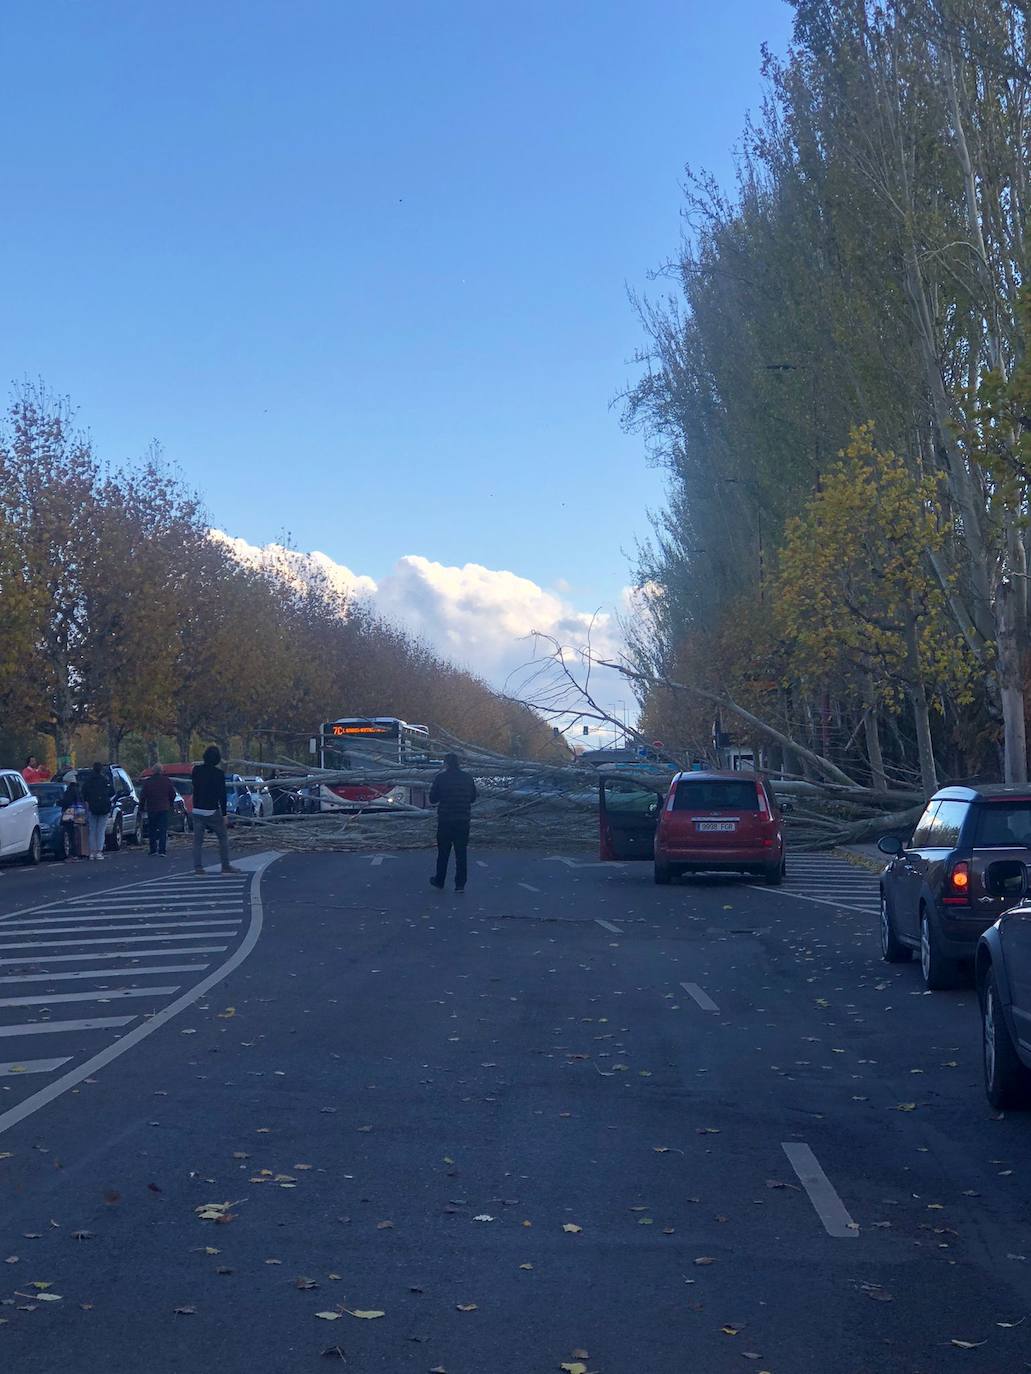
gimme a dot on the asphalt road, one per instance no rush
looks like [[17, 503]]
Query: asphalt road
[[688, 1130]]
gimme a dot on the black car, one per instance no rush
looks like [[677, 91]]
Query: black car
[[48, 795], [126, 819], [954, 878], [1003, 971]]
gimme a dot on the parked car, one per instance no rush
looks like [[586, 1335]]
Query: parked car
[[720, 822], [1003, 972], [126, 820], [943, 889], [264, 804], [48, 798], [178, 821], [20, 836]]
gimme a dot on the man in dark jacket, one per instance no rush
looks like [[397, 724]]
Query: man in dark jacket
[[209, 809], [157, 797], [453, 793]]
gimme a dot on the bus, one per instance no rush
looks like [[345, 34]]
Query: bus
[[353, 741]]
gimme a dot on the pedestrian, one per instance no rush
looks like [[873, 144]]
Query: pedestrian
[[209, 809], [32, 772], [157, 797], [73, 817], [453, 793], [96, 791]]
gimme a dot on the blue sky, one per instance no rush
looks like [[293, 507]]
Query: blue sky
[[361, 268]]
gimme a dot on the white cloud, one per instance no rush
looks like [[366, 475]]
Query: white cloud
[[480, 618]]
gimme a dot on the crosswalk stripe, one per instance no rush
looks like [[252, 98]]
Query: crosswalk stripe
[[209, 927], [110, 940], [105, 972], [44, 999], [53, 1027], [31, 1066], [128, 954], [63, 914]]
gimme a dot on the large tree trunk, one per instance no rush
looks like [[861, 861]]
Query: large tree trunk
[[1011, 685], [872, 734]]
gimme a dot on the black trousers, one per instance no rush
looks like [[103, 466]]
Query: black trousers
[[157, 829], [452, 834]]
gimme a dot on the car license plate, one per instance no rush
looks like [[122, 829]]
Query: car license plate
[[716, 825]]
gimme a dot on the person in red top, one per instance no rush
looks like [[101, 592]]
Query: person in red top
[[157, 797], [32, 771]]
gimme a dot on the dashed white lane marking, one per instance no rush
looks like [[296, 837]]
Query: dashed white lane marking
[[44, 999], [56, 1027], [829, 1206], [256, 865], [530, 887], [702, 998], [128, 954], [105, 972], [114, 940], [608, 925], [21, 1066]]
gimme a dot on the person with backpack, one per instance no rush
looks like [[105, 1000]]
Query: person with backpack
[[209, 809], [97, 792]]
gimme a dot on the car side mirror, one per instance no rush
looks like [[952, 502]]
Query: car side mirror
[[890, 844], [1006, 878]]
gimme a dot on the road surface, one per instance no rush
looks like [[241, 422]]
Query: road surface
[[325, 1114]]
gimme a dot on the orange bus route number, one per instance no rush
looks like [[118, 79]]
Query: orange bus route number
[[338, 730]]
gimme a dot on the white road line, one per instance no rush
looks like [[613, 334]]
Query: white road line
[[801, 897], [44, 999], [161, 903], [530, 887], [148, 885], [32, 1066], [128, 954], [75, 1075], [111, 940], [608, 925], [702, 998], [829, 1206], [106, 972], [53, 1027], [210, 927], [101, 915]]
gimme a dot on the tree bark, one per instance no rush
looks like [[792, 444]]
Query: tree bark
[[872, 733], [1011, 685]]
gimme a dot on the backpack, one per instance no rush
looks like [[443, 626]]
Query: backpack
[[96, 793]]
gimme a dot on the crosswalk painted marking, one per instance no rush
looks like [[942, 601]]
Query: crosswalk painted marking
[[829, 881], [59, 1027], [44, 999], [16, 1066]]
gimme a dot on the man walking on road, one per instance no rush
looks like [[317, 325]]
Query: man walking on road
[[453, 793], [157, 798], [209, 809]]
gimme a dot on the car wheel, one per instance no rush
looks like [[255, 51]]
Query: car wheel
[[893, 951], [773, 875], [939, 972], [34, 853], [663, 874], [114, 840], [1007, 1081]]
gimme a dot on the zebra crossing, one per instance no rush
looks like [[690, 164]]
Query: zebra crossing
[[829, 880], [81, 976]]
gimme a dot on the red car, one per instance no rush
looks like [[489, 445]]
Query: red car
[[722, 822]]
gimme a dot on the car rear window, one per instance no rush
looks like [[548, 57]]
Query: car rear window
[[1004, 825], [716, 796]]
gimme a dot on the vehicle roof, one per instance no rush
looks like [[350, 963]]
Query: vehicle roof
[[716, 775], [990, 791]]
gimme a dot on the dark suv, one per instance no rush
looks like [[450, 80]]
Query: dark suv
[[126, 820], [963, 867]]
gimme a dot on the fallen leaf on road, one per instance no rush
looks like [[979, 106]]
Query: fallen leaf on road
[[304, 1284], [82, 1235], [969, 1345], [333, 1352], [48, 1297], [384, 1225], [366, 1314], [483, 1217], [705, 1259], [526, 1266], [41, 1284], [906, 1107], [574, 1367], [571, 1227], [329, 1316], [227, 1014], [466, 1306], [1009, 1325], [729, 1330], [185, 1311]]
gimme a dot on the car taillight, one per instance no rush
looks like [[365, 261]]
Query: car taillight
[[764, 809], [958, 885]]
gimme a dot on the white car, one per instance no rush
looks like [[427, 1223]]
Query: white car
[[19, 819], [263, 803]]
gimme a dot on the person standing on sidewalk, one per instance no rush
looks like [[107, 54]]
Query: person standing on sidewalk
[[157, 798], [209, 809], [453, 793], [97, 792]]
